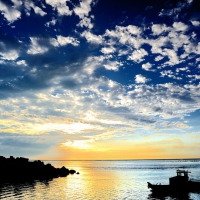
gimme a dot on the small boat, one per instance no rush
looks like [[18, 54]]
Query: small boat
[[177, 184]]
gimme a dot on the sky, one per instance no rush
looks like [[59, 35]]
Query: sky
[[99, 79]]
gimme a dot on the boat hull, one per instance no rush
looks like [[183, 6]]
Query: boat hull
[[190, 186]]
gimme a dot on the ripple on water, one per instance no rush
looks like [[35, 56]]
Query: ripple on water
[[100, 180]]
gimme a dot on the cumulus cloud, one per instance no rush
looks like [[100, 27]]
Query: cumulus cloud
[[9, 55], [167, 73], [147, 66], [195, 23], [175, 12], [189, 48], [130, 29], [60, 6], [61, 41], [129, 35], [11, 13], [194, 77], [69, 128], [28, 4], [21, 62], [108, 50], [180, 26], [92, 38], [113, 65], [139, 78], [84, 8], [157, 29], [9, 47], [182, 69], [158, 58], [52, 22], [172, 55], [35, 47], [138, 55], [85, 22]]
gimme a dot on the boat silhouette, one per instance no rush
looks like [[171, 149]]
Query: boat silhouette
[[177, 184]]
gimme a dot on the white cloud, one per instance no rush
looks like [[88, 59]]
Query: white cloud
[[85, 22], [173, 58], [157, 29], [21, 62], [180, 26], [157, 44], [9, 55], [129, 35], [90, 37], [52, 22], [140, 79], [167, 73], [174, 12], [69, 128], [84, 8], [92, 63], [113, 65], [39, 11], [182, 69], [195, 23], [193, 35], [62, 41], [133, 39], [137, 55], [123, 52], [60, 6], [169, 12], [158, 58], [178, 39], [195, 77], [147, 66], [189, 48], [11, 13], [81, 144], [67, 40], [28, 4], [108, 50], [35, 48], [170, 53], [133, 30]]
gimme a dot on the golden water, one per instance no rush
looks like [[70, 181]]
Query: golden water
[[103, 180]]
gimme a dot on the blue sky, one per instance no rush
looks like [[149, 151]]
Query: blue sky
[[81, 78]]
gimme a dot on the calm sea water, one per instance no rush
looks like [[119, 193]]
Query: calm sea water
[[104, 180]]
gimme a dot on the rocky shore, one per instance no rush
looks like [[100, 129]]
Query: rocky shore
[[21, 169]]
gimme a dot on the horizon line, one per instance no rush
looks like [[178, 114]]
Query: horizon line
[[121, 159]]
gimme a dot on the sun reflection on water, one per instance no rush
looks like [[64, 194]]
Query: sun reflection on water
[[106, 180]]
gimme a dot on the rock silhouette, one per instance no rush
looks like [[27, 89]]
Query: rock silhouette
[[21, 169]]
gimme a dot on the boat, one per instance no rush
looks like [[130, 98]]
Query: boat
[[177, 184]]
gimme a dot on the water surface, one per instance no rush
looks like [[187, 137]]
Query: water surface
[[104, 180]]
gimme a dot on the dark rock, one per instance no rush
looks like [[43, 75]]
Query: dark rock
[[21, 169], [71, 171], [63, 171]]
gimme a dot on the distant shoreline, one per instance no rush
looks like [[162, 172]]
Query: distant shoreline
[[127, 159]]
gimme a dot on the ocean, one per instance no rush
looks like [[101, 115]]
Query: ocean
[[105, 180]]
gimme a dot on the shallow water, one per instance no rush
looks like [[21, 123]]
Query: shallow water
[[104, 180]]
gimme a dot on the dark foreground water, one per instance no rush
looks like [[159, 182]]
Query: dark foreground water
[[104, 180]]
